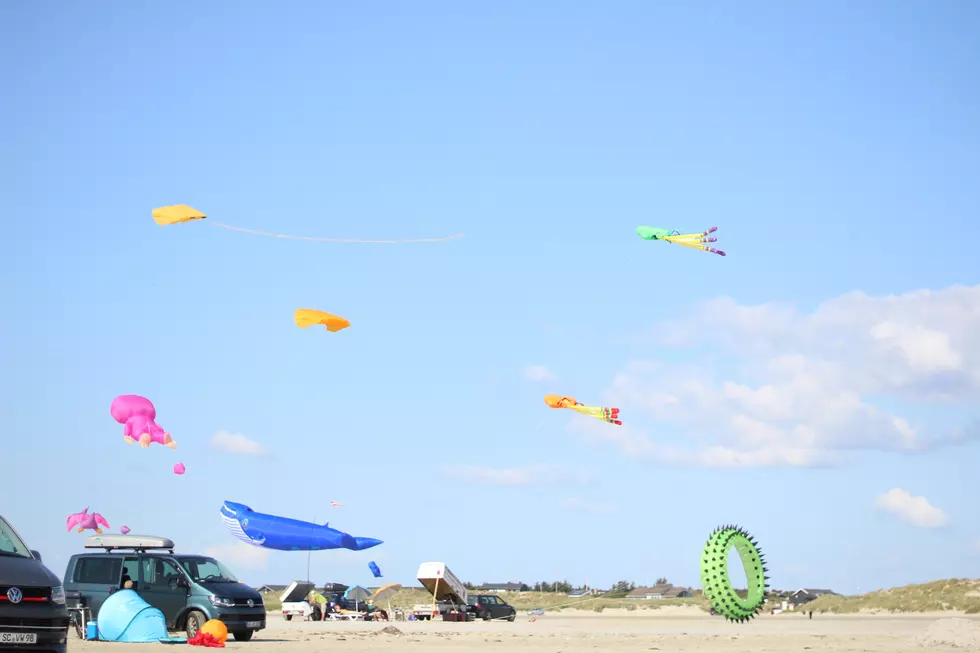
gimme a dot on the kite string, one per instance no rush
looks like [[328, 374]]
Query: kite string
[[336, 240]]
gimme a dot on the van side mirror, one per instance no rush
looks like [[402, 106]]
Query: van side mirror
[[37, 556], [177, 582]]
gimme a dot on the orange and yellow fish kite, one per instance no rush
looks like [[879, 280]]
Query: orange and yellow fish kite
[[610, 415]]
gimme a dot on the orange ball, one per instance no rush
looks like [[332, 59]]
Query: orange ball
[[217, 629]]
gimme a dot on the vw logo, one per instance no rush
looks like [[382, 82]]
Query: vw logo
[[251, 603], [14, 595]]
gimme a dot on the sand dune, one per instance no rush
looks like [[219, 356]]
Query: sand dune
[[669, 629]]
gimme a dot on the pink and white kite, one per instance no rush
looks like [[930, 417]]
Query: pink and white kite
[[137, 415]]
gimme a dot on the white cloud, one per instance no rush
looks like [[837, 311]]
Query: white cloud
[[591, 507], [240, 554], [911, 510], [779, 388], [530, 475], [236, 443], [538, 373]]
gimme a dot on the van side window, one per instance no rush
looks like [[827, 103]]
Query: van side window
[[98, 571], [130, 572], [158, 572]]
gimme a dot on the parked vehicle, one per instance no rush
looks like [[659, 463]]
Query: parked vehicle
[[491, 606], [448, 592], [294, 603], [188, 589], [426, 611], [33, 615]]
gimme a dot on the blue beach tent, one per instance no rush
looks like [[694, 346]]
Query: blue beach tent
[[126, 617]]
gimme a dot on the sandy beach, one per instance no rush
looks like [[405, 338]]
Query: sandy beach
[[668, 629]]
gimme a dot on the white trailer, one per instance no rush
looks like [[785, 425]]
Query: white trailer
[[294, 603], [448, 592]]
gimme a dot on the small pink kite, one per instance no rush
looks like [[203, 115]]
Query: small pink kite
[[179, 468], [87, 520], [124, 530]]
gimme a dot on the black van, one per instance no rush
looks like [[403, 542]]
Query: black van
[[33, 615]]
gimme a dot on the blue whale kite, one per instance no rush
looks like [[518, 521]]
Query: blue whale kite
[[286, 534]]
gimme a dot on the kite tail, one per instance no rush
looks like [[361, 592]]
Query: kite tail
[[337, 240], [610, 415], [694, 241]]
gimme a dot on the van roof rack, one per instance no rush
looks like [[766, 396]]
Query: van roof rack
[[137, 543]]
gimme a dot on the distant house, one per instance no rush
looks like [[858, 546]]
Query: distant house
[[678, 593], [589, 592], [805, 595], [270, 589], [499, 587], [648, 593]]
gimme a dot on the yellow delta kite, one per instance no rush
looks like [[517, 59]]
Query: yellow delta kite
[[176, 213]]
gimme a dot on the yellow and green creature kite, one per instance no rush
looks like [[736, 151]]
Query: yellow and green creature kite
[[694, 241]]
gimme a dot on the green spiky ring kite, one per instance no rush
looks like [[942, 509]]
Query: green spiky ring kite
[[716, 582]]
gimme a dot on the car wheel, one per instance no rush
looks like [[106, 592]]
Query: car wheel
[[243, 635], [195, 619], [287, 617], [486, 615], [512, 617]]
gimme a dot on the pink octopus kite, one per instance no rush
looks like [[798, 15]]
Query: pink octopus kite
[[137, 416]]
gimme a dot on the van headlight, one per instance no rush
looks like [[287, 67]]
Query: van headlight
[[221, 601], [58, 595]]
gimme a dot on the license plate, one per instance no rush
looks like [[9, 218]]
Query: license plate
[[18, 638], [253, 624]]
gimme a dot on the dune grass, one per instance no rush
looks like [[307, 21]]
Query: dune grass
[[938, 596], [548, 601], [955, 594]]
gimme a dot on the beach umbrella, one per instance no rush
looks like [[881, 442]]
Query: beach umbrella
[[385, 593], [357, 594]]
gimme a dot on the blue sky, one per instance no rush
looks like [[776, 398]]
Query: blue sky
[[835, 145]]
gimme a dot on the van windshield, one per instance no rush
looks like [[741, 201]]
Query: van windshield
[[10, 542], [206, 570]]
